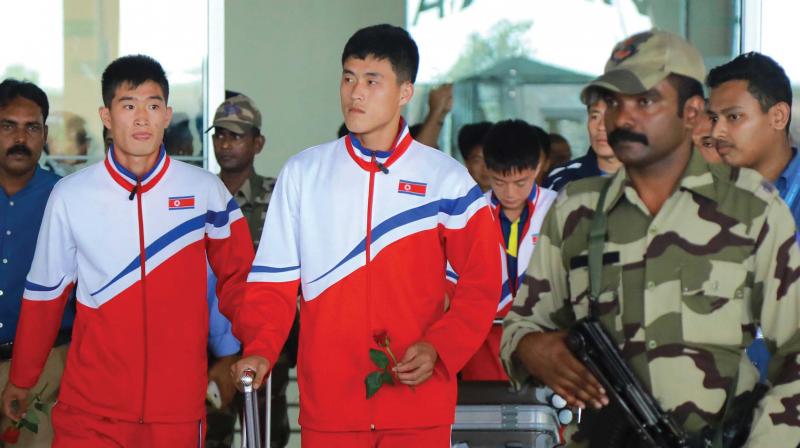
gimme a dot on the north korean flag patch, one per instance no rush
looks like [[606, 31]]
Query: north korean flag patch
[[415, 188], [181, 202]]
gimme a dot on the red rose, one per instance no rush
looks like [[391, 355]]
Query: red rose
[[381, 338], [11, 435]]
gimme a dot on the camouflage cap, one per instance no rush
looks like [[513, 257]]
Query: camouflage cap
[[641, 61], [237, 114]]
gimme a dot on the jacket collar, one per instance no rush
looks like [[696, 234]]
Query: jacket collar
[[127, 179], [363, 156], [696, 177]]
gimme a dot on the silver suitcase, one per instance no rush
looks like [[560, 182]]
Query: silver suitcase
[[506, 426], [491, 415]]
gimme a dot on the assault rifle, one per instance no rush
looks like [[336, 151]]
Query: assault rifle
[[590, 343]]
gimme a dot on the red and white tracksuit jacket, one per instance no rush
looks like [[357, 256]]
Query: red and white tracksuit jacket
[[486, 365], [137, 251], [367, 238]]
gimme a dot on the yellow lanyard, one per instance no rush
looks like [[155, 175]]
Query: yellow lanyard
[[513, 239]]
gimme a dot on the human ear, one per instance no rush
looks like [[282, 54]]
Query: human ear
[[105, 116], [406, 92], [693, 110], [779, 115]]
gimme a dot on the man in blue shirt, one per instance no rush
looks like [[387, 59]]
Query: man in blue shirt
[[24, 189], [750, 104]]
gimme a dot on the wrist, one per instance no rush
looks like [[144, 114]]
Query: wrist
[[433, 119], [527, 351]]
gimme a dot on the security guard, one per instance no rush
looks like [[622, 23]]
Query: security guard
[[695, 257]]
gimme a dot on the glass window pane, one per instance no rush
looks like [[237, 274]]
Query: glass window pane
[[778, 18], [530, 59], [73, 43]]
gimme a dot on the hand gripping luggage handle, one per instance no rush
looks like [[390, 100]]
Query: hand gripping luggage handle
[[250, 426]]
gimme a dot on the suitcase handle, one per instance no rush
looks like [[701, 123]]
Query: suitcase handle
[[251, 430]]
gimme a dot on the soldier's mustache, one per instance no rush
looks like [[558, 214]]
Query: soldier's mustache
[[724, 144], [622, 135], [19, 149]]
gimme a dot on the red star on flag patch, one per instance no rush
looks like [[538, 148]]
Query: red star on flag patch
[[181, 202], [415, 188]]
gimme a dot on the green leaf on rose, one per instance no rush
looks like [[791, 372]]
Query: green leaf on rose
[[32, 417], [378, 358], [30, 426], [387, 378], [374, 381]]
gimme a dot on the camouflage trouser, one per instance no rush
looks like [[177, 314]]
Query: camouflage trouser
[[220, 422]]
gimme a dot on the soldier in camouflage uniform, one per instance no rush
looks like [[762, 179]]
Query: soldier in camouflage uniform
[[237, 139], [696, 256]]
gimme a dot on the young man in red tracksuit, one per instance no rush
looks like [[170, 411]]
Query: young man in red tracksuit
[[365, 226], [132, 234], [512, 150]]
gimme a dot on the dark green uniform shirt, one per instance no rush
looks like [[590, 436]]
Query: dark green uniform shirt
[[253, 198]]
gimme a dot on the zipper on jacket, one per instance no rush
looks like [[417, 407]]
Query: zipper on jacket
[[369, 211], [367, 271], [142, 257]]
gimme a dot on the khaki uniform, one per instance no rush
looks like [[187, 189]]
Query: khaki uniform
[[683, 291], [253, 198]]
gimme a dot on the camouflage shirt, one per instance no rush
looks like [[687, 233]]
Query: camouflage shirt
[[253, 198], [683, 291]]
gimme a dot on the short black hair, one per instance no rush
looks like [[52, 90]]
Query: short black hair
[[414, 130], [513, 145], [134, 70], [470, 136], [11, 89], [342, 131], [557, 138], [177, 135], [386, 42], [544, 140], [766, 79], [686, 87], [592, 96]]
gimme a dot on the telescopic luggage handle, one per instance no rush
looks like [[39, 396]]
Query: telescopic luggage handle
[[251, 430]]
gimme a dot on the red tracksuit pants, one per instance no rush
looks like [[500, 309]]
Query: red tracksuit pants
[[74, 428], [485, 364], [432, 437]]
